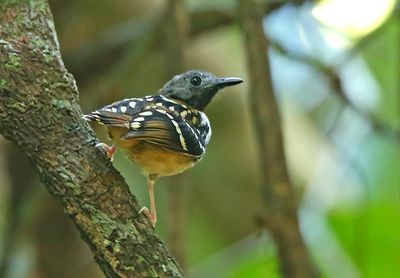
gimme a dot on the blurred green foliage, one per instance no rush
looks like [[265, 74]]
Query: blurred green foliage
[[370, 234]]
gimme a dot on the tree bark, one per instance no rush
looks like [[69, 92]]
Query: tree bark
[[39, 112], [281, 216]]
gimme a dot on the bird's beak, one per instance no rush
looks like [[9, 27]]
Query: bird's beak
[[227, 81]]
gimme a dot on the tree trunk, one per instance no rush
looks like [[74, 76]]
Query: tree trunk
[[281, 215], [39, 112]]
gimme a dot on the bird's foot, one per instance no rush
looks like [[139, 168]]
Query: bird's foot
[[151, 216], [110, 150]]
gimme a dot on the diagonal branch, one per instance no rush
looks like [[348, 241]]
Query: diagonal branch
[[112, 44], [39, 112]]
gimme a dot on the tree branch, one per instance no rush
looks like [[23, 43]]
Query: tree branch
[[39, 111], [111, 44], [335, 81], [281, 216]]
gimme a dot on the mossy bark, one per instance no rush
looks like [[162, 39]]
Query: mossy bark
[[39, 111]]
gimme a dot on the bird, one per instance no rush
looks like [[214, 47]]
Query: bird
[[166, 133]]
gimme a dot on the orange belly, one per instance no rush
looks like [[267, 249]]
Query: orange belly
[[151, 158]]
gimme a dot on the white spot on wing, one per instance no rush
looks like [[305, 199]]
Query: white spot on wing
[[123, 109], [183, 143], [135, 125], [183, 113], [168, 100], [161, 111], [132, 104], [181, 138], [146, 113], [138, 119], [175, 123]]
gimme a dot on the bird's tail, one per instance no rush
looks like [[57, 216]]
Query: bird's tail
[[90, 117], [108, 118]]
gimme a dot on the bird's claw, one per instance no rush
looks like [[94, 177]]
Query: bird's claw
[[110, 150], [148, 214]]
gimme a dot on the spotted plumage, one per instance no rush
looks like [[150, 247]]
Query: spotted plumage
[[160, 121], [166, 133]]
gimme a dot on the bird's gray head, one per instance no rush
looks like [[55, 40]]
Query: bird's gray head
[[196, 88]]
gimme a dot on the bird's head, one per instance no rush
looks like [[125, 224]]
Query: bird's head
[[196, 88]]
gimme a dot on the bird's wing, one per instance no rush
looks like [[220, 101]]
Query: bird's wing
[[162, 127], [117, 114], [150, 120]]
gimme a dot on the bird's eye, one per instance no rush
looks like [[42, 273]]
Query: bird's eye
[[196, 81]]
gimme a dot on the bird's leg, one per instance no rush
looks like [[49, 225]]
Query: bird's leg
[[110, 150], [152, 214]]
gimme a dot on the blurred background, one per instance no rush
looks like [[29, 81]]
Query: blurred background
[[335, 69]]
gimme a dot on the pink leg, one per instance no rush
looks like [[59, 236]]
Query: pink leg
[[110, 150], [152, 214]]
